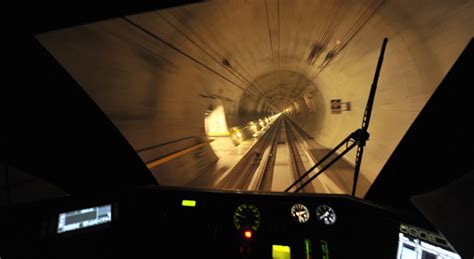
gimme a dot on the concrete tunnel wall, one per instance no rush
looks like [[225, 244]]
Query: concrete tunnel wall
[[155, 74]]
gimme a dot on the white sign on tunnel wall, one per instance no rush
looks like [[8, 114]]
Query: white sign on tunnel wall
[[337, 106]]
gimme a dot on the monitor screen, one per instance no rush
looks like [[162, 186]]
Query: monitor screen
[[417, 243], [78, 219]]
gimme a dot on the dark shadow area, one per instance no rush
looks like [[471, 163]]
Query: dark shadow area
[[57, 133], [437, 148]]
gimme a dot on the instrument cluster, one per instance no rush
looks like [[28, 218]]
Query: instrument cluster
[[248, 217]]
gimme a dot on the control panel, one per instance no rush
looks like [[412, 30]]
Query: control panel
[[161, 222]]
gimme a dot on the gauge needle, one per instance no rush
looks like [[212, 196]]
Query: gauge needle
[[324, 215]]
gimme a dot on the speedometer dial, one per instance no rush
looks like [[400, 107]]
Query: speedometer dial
[[326, 214], [247, 216], [300, 213]]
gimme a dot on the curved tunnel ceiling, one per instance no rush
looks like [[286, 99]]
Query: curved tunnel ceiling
[[153, 73]]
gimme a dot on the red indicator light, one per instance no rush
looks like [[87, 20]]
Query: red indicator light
[[248, 234]]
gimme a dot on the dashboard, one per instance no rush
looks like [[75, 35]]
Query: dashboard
[[158, 222]]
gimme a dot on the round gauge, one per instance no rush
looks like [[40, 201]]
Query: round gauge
[[300, 213], [326, 214], [247, 216]]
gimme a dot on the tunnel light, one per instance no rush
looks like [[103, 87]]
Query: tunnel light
[[253, 128], [215, 123], [236, 136]]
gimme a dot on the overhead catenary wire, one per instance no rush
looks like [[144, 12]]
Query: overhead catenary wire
[[243, 68], [279, 50], [322, 35], [271, 38], [269, 33], [208, 49], [233, 72], [360, 22], [349, 35], [180, 51], [316, 38]]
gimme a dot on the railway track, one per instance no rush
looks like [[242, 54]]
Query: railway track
[[297, 166], [256, 168], [241, 175], [265, 179]]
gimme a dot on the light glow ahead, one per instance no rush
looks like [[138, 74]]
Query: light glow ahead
[[215, 123]]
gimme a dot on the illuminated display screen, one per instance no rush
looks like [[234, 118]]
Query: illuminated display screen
[[79, 219], [417, 243]]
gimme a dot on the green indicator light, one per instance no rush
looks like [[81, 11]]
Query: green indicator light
[[307, 246], [281, 252], [188, 203], [325, 249]]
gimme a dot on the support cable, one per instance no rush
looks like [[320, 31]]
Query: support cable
[[181, 52]]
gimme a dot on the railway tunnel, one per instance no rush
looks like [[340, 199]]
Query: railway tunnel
[[186, 121], [266, 72]]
